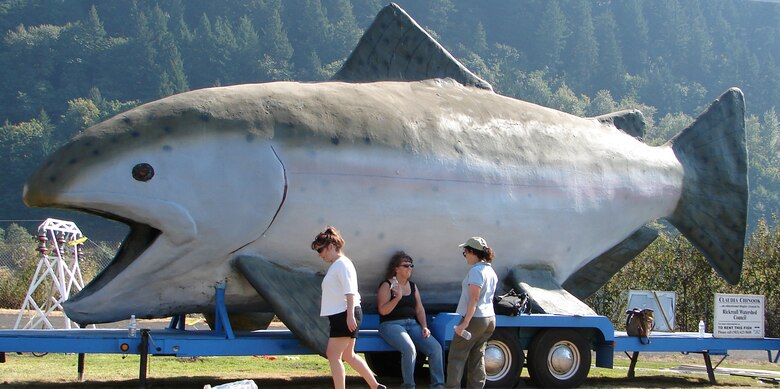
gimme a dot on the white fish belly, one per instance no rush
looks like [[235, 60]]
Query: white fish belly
[[385, 200]]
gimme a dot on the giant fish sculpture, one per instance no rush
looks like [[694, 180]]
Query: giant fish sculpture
[[404, 149]]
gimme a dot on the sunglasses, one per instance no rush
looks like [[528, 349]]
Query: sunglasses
[[407, 265], [319, 249], [464, 253]]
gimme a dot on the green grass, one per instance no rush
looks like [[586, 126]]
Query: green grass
[[310, 371]]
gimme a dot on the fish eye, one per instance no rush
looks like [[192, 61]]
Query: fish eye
[[143, 172]]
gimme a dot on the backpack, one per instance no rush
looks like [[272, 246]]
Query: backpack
[[639, 323], [510, 303]]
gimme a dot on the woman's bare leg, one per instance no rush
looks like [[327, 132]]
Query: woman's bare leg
[[334, 352], [359, 364]]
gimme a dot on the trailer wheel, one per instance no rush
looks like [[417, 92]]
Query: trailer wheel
[[559, 358], [503, 359]]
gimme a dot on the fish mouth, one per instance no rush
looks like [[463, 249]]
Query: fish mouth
[[149, 221], [141, 237]]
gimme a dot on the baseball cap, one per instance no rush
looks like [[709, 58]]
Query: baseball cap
[[475, 242]]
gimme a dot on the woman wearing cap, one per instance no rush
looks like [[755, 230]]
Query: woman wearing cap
[[341, 304], [403, 324], [476, 308]]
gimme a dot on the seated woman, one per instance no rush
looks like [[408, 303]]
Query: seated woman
[[403, 324]]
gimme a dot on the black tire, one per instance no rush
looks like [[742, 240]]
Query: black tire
[[558, 358], [385, 364], [503, 359]]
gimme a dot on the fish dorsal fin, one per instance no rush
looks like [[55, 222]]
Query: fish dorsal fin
[[630, 121], [396, 48]]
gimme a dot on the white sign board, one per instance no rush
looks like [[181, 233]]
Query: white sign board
[[661, 302], [739, 316]]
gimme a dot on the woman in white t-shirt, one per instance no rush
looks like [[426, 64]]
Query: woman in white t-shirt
[[341, 305]]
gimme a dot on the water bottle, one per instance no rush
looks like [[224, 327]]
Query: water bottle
[[393, 282], [465, 334], [132, 327], [701, 328]]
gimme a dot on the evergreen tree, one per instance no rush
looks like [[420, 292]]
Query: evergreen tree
[[480, 41], [365, 11], [31, 63], [224, 50], [601, 104], [248, 52], [549, 39], [276, 44], [632, 28], [763, 141], [581, 60], [698, 56], [609, 73], [144, 73], [345, 28], [168, 60], [310, 32]]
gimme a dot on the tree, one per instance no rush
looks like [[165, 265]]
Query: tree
[[168, 60], [566, 100], [610, 71], [582, 51], [310, 32], [27, 87], [669, 126], [632, 28], [81, 114], [549, 39], [21, 145], [763, 142], [277, 48], [345, 28], [248, 54], [602, 103]]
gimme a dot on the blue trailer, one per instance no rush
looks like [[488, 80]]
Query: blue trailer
[[555, 349]]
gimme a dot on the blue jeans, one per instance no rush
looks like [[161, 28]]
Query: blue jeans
[[406, 334]]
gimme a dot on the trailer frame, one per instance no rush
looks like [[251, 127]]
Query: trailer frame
[[525, 330]]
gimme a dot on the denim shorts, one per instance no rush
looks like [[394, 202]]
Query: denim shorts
[[338, 324]]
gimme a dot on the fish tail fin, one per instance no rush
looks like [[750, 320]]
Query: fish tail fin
[[712, 211]]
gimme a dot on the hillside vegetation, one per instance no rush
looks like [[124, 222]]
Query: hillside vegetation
[[66, 65]]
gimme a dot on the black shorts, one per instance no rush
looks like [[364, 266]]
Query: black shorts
[[338, 324]]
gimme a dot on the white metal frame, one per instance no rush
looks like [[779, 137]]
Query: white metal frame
[[61, 267]]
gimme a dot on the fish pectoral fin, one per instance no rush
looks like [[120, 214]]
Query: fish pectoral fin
[[396, 48], [588, 279], [630, 121], [546, 295], [294, 296]]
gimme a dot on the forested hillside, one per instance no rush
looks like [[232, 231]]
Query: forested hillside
[[66, 65]]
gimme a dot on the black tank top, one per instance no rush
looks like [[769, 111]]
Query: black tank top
[[405, 309]]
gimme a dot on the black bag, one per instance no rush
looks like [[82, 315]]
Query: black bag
[[639, 323], [510, 304]]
